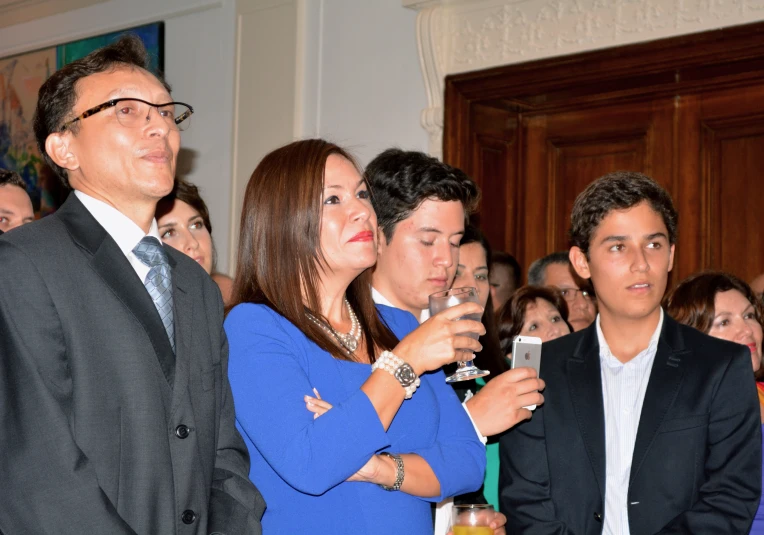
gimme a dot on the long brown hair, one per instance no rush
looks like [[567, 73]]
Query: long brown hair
[[280, 257], [512, 315]]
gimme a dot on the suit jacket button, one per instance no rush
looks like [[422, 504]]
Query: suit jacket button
[[182, 431], [188, 516], [598, 517]]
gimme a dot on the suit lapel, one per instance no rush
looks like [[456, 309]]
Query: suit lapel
[[112, 266], [665, 379], [585, 384]]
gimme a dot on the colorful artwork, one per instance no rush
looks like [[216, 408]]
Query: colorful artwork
[[20, 79]]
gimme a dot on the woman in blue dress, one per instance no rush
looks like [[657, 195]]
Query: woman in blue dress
[[302, 318]]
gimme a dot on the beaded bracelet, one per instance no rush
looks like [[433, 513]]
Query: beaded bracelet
[[390, 363]]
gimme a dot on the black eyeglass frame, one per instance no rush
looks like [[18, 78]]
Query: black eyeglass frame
[[111, 103]]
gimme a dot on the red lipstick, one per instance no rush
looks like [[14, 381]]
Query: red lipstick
[[365, 235]]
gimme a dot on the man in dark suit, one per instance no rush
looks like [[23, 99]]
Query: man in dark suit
[[116, 414], [648, 426]]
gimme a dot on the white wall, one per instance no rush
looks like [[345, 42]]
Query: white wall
[[363, 85], [199, 59]]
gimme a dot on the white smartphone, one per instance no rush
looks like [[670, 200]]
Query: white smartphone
[[526, 353]]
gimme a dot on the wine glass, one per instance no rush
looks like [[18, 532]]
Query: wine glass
[[472, 519], [440, 301]]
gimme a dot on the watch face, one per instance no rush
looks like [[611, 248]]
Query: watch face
[[405, 375]]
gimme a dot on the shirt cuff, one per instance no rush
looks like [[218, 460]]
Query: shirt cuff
[[483, 439]]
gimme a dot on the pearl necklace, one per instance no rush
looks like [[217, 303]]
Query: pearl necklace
[[348, 341]]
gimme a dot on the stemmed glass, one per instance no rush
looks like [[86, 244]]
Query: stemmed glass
[[472, 519], [440, 301]]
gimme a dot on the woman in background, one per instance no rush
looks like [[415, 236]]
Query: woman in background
[[474, 269], [395, 437], [533, 311], [184, 224], [724, 306]]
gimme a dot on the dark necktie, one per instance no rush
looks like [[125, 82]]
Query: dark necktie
[[158, 281]]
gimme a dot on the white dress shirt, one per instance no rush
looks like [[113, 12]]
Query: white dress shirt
[[444, 508], [121, 228], [623, 393]]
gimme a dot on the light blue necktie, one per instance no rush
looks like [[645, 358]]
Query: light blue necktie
[[158, 281]]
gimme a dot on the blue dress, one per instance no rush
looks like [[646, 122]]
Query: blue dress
[[300, 464]]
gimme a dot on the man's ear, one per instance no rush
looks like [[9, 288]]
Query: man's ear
[[57, 145], [381, 241], [671, 258], [579, 262]]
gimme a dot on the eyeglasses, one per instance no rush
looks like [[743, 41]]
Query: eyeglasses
[[569, 294], [134, 112]]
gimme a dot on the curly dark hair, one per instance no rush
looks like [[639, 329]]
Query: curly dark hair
[[618, 191], [401, 180], [12, 178], [512, 315], [57, 96]]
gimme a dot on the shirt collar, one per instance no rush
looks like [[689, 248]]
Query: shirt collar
[[605, 352], [379, 298], [382, 300], [121, 228]]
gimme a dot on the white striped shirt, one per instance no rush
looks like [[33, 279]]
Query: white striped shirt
[[623, 393]]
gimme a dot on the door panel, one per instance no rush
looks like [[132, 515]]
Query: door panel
[[732, 152], [568, 150], [492, 157], [687, 111]]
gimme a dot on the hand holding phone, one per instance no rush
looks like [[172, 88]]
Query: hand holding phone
[[526, 353]]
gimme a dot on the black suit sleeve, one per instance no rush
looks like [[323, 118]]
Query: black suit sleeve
[[49, 484], [524, 481], [729, 497], [236, 506]]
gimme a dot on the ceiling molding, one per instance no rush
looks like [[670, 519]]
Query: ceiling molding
[[458, 36], [14, 12]]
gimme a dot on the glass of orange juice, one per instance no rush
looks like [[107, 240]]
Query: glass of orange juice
[[472, 519]]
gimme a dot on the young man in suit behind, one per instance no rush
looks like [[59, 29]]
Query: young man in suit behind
[[644, 429], [116, 413]]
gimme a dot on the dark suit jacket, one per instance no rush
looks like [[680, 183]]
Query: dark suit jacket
[[102, 428], [696, 466]]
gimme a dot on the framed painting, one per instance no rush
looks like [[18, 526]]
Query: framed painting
[[21, 77]]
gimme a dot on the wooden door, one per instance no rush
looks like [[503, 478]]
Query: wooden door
[[687, 111], [567, 150]]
